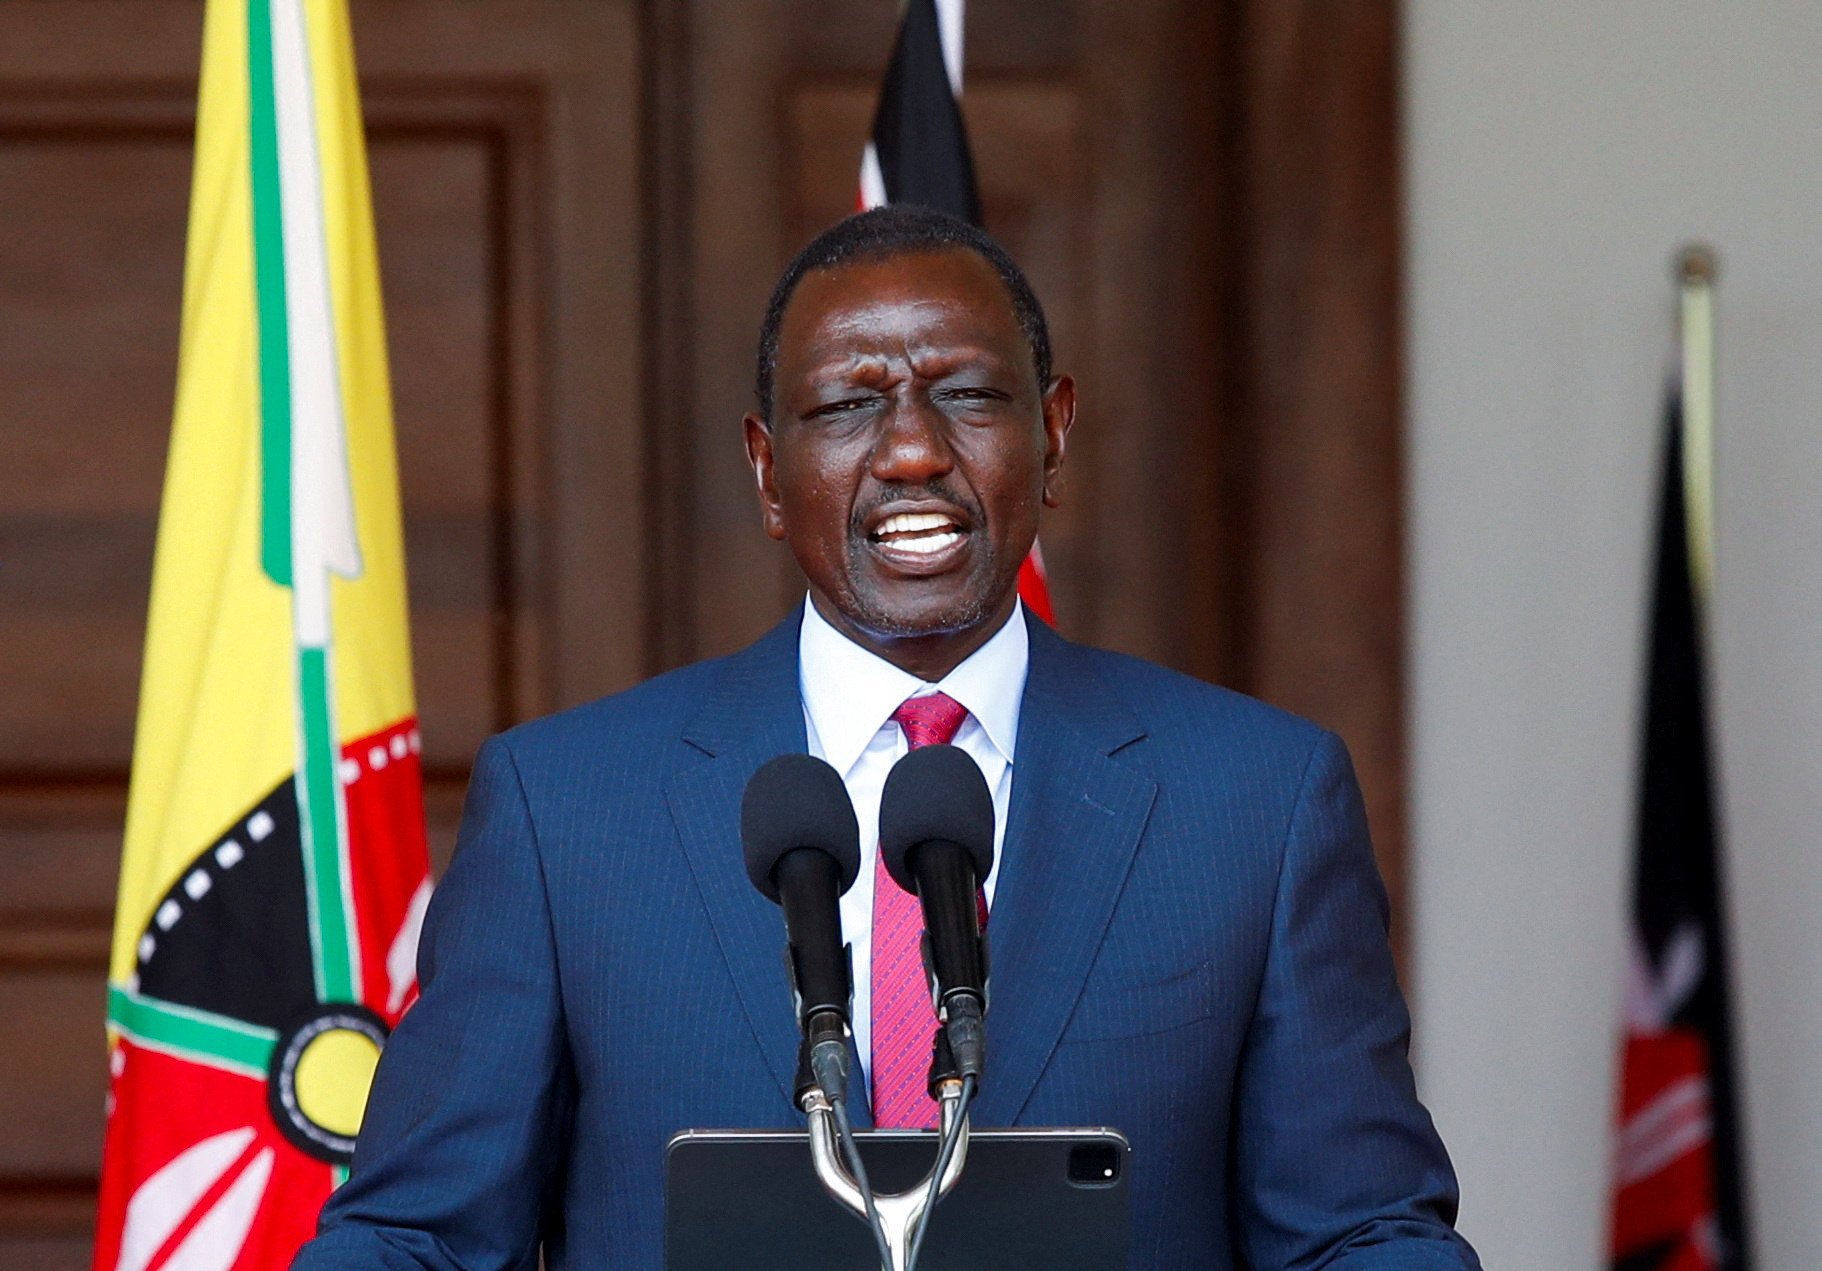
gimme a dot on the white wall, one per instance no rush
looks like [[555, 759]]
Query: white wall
[[1558, 153]]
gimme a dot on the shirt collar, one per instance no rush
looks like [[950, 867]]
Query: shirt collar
[[850, 692]]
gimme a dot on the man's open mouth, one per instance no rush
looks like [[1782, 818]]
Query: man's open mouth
[[919, 533]]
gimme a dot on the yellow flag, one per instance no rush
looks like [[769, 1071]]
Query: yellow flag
[[274, 871]]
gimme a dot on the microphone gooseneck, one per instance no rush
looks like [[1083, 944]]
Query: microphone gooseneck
[[802, 850], [936, 837]]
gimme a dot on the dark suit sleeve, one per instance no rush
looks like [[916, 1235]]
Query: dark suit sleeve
[[463, 1136], [1336, 1163]]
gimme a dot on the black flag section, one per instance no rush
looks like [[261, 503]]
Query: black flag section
[[918, 132]]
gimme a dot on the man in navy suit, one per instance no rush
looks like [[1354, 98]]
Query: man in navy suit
[[1189, 933]]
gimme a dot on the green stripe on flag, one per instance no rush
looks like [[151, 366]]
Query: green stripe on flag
[[269, 284], [201, 1036], [325, 864]]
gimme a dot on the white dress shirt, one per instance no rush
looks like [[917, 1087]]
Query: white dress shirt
[[849, 695]]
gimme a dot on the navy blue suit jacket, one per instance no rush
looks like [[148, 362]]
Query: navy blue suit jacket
[[1189, 944]]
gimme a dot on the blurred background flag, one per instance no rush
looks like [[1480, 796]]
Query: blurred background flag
[[919, 154], [274, 873], [1679, 1202]]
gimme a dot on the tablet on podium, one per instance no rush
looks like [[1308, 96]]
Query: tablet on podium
[[1028, 1200]]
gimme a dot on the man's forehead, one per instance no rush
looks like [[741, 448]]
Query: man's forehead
[[944, 287]]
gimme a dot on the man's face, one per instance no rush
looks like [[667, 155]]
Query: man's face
[[910, 446]]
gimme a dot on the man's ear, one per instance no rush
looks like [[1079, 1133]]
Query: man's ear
[[759, 457], [1059, 418]]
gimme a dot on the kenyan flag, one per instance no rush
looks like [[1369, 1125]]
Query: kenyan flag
[[274, 873]]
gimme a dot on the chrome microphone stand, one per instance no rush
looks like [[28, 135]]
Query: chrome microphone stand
[[898, 1212]]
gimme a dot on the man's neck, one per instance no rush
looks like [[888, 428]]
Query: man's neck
[[928, 657]]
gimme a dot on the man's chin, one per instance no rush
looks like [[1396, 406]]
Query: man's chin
[[917, 609]]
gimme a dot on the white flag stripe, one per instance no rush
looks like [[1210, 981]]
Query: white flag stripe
[[1674, 1124], [164, 1200], [402, 956], [1682, 1139], [214, 1244], [1690, 1095], [322, 493], [872, 180], [949, 28]]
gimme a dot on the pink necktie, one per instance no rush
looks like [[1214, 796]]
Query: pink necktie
[[904, 1026]]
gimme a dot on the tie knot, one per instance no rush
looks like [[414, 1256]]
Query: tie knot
[[930, 720]]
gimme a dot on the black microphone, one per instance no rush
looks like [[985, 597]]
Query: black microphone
[[936, 835], [802, 848]]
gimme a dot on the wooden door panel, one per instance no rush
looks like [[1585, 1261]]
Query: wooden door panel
[[60, 844], [44, 1252], [434, 196], [85, 383], [51, 1101]]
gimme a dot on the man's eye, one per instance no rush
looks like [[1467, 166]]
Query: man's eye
[[971, 396], [844, 407]]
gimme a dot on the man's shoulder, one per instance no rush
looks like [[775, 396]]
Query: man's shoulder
[[635, 720], [1187, 719], [1168, 700]]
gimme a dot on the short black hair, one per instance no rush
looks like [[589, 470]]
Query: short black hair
[[898, 229]]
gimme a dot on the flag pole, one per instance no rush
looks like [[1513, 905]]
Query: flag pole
[[1695, 273]]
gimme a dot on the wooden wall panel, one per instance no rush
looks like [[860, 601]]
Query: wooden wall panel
[[740, 56], [87, 363], [93, 199], [1314, 237], [434, 198], [44, 1252], [55, 1081], [60, 842]]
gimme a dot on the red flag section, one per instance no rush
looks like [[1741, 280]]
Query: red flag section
[[235, 1094]]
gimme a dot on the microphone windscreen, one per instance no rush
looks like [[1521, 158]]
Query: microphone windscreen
[[935, 793], [797, 801]]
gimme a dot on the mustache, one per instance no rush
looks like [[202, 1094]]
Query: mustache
[[937, 490]]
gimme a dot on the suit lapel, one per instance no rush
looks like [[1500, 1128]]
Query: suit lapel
[[753, 711], [1075, 820]]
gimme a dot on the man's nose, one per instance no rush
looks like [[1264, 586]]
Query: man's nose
[[913, 444]]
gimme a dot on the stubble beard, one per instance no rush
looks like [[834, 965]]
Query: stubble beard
[[966, 614]]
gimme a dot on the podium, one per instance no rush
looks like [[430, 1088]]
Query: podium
[[1028, 1200]]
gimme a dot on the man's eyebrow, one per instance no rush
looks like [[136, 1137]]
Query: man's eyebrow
[[968, 352], [841, 367]]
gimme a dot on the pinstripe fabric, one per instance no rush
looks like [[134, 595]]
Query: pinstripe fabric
[[1197, 956]]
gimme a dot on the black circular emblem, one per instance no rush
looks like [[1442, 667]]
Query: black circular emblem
[[321, 1071]]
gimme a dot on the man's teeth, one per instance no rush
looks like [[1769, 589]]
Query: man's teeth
[[926, 544], [913, 523], [922, 533]]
